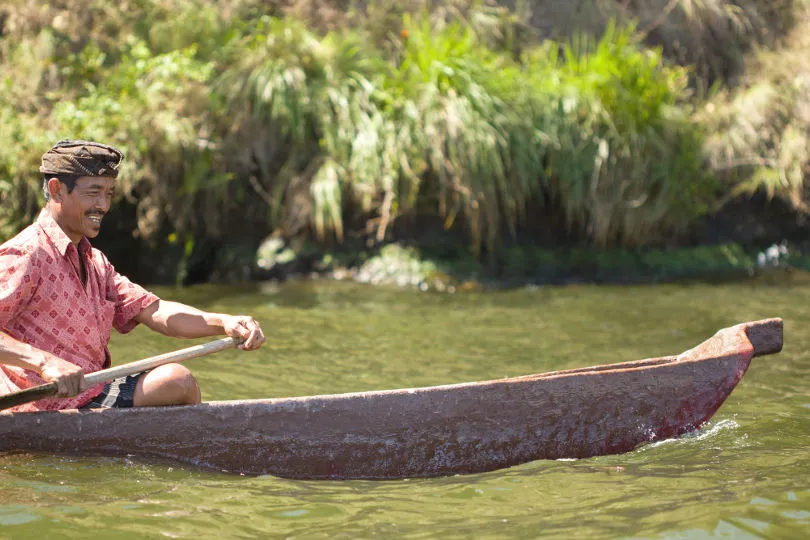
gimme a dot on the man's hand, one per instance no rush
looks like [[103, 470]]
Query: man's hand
[[246, 328], [68, 377]]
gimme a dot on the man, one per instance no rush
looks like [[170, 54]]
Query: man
[[60, 298]]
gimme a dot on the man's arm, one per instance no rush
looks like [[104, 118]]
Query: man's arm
[[179, 320], [67, 376]]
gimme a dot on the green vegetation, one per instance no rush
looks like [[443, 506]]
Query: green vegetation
[[242, 117]]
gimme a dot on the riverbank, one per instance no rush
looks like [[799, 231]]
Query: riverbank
[[748, 238], [410, 267]]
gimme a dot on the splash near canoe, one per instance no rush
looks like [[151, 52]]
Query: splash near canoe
[[441, 430]]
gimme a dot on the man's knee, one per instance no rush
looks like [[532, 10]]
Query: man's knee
[[181, 378], [169, 384]]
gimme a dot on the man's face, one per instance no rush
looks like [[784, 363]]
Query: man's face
[[79, 212]]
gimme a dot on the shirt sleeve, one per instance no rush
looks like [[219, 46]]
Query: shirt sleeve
[[130, 299], [19, 275]]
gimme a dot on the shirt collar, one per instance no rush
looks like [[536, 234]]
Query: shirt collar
[[57, 236]]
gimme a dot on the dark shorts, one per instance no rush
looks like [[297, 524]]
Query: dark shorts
[[117, 393]]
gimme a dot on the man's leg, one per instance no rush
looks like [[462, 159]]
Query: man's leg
[[169, 384]]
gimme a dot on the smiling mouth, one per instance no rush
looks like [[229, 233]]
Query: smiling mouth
[[95, 218]]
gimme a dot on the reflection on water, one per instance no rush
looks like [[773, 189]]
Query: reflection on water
[[745, 475]]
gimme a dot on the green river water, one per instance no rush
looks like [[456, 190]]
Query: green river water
[[746, 474]]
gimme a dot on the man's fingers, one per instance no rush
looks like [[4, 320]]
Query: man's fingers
[[71, 384], [244, 327], [259, 341], [247, 344], [248, 329], [62, 386], [68, 377], [243, 334], [254, 337], [79, 384]]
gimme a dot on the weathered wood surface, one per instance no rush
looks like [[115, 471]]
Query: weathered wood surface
[[442, 430]]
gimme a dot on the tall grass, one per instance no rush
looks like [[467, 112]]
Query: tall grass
[[465, 127], [451, 122]]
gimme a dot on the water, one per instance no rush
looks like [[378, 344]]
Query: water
[[744, 475]]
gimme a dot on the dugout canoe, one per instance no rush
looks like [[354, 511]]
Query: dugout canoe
[[442, 430]]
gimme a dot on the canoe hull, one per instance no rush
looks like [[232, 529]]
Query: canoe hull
[[454, 429]]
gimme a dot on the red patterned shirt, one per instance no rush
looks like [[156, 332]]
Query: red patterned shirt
[[43, 303]]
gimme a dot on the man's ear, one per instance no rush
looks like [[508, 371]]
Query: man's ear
[[55, 189]]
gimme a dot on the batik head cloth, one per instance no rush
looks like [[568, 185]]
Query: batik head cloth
[[81, 158]]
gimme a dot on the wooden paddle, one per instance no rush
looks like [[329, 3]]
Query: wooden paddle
[[106, 375]]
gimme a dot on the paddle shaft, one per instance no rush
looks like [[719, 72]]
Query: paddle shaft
[[106, 375]]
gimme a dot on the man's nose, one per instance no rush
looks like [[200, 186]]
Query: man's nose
[[103, 203]]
